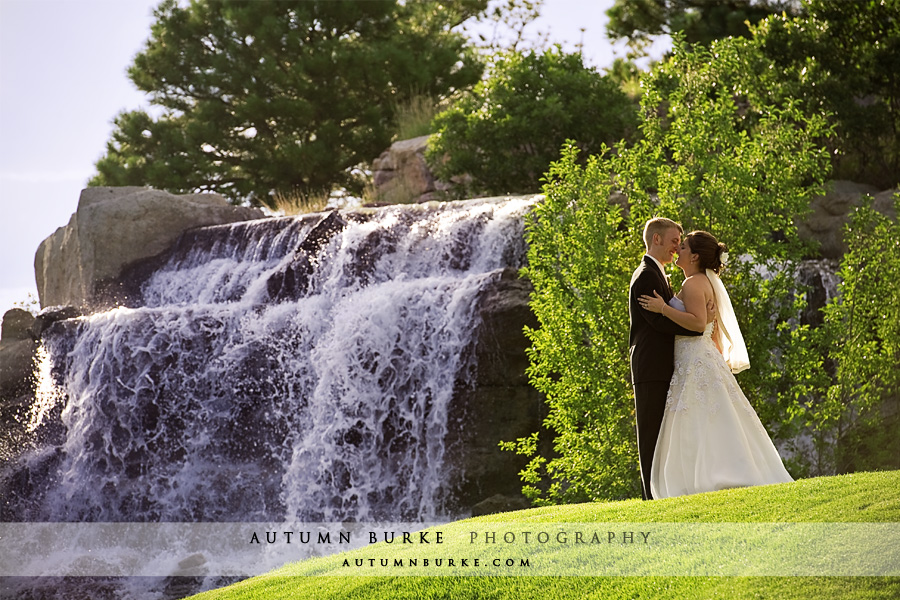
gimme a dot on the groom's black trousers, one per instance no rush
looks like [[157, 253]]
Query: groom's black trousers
[[649, 406]]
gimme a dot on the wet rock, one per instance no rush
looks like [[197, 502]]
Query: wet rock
[[499, 503], [293, 281], [51, 315], [501, 405], [17, 348]]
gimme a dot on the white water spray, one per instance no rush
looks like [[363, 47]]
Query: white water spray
[[279, 369]]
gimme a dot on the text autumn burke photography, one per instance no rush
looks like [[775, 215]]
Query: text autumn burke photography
[[437, 537]]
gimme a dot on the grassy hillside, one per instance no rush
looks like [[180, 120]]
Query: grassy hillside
[[856, 498]]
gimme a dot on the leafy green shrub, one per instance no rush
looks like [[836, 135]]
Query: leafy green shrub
[[505, 134], [851, 414], [725, 155], [716, 154], [579, 258]]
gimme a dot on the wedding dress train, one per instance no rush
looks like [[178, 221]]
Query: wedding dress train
[[710, 438]]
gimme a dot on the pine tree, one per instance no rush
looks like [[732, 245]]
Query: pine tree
[[250, 98]]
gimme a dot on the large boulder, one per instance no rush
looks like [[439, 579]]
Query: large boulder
[[16, 325], [17, 383], [401, 175], [831, 212], [17, 348], [114, 227]]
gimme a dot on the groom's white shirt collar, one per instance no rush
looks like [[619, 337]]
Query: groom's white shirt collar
[[660, 265]]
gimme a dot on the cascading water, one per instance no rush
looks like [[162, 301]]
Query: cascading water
[[277, 369]]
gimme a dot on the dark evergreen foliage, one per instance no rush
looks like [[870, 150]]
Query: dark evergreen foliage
[[263, 96], [696, 21]]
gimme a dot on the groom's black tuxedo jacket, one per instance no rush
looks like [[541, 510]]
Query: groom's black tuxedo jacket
[[652, 336]]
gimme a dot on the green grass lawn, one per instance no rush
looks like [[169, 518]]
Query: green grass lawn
[[858, 498]]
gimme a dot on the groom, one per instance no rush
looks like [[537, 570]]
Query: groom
[[652, 339]]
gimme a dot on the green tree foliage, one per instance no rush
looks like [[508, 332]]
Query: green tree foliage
[[717, 154], [257, 97], [833, 57], [727, 157], [854, 415], [843, 58], [579, 258], [696, 21], [505, 134]]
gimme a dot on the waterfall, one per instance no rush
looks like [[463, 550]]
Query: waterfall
[[820, 276], [288, 368]]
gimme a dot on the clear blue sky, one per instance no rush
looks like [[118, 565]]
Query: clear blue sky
[[63, 80]]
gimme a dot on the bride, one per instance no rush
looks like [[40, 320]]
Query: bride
[[710, 437]]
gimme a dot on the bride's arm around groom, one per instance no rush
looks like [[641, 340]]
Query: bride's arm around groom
[[696, 294]]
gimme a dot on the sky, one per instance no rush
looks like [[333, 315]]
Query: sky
[[63, 80]]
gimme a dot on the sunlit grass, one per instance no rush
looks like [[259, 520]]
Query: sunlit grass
[[414, 116], [856, 498], [297, 203]]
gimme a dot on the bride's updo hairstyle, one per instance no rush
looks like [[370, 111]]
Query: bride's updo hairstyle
[[708, 248]]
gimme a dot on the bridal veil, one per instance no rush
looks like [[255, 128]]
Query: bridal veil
[[728, 333]]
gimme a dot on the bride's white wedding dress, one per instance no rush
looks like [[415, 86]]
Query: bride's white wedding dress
[[710, 438]]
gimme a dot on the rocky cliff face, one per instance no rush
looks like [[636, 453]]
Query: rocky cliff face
[[501, 405], [384, 346], [116, 227], [824, 225]]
